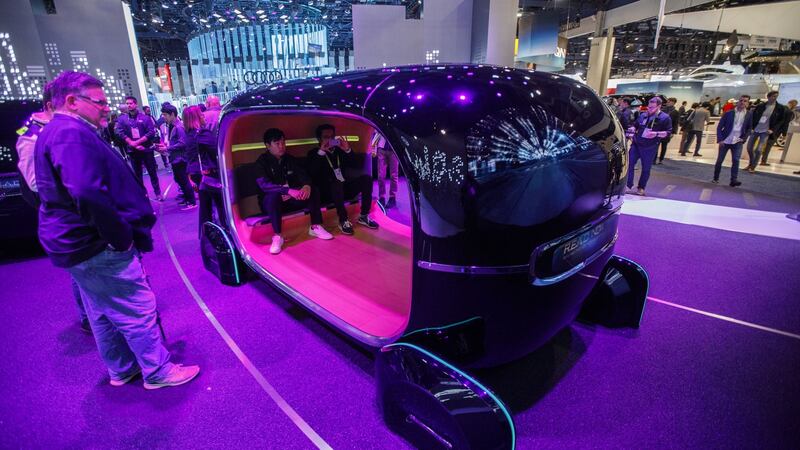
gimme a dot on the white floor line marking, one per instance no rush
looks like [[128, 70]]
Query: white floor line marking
[[750, 199], [726, 318], [705, 195], [246, 362], [667, 190], [740, 220], [714, 315]]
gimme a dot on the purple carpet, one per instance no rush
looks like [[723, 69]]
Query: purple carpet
[[682, 380]]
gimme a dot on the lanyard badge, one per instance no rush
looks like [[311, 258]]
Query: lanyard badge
[[337, 171]]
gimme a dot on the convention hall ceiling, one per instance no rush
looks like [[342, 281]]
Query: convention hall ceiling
[[179, 19], [164, 26]]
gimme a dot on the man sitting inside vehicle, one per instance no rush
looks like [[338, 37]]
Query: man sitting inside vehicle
[[285, 187], [327, 165]]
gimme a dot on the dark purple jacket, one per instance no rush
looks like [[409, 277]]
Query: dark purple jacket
[[90, 196], [657, 122]]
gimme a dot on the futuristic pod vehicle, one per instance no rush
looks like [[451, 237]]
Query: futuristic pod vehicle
[[514, 181]]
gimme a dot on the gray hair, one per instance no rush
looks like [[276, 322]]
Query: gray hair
[[71, 82]]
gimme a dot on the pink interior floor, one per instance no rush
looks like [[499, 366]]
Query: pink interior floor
[[364, 279]]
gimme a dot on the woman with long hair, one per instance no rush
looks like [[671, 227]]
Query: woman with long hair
[[202, 163], [178, 146]]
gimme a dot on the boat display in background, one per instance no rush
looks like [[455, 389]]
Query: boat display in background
[[760, 73]]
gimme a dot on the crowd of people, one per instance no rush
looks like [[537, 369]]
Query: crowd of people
[[84, 174], [759, 124], [83, 169]]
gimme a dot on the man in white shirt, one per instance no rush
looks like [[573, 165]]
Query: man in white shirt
[[733, 129]]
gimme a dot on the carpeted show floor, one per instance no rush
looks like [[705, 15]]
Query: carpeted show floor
[[715, 363]]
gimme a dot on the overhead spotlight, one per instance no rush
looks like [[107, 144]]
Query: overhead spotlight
[[222, 20], [325, 16], [284, 16], [280, 6], [216, 15], [237, 11], [203, 20]]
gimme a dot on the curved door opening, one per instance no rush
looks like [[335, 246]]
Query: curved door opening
[[359, 283]]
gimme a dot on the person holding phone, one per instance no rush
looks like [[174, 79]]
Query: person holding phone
[[648, 130], [327, 164]]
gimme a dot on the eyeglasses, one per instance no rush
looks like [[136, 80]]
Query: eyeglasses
[[100, 103]]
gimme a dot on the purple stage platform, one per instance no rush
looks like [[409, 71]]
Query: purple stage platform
[[685, 379]]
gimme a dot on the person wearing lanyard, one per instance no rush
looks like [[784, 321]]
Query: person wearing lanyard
[[285, 186], [139, 134], [732, 131], [327, 164], [648, 130]]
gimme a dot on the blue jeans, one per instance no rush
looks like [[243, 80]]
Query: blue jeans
[[646, 155], [122, 312], [736, 153], [76, 292], [754, 155]]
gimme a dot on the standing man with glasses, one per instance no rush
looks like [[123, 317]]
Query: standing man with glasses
[[732, 131], [94, 221], [139, 133]]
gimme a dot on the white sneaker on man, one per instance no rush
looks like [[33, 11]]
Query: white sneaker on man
[[319, 232], [177, 375], [277, 244]]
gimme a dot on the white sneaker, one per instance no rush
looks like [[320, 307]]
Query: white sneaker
[[178, 375], [277, 244], [319, 232]]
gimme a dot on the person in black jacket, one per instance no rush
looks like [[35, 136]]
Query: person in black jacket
[[285, 186], [139, 133], [178, 149], [674, 116], [328, 164], [767, 120], [94, 221], [788, 116], [624, 113]]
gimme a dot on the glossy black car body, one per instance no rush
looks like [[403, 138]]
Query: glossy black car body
[[17, 218], [515, 181]]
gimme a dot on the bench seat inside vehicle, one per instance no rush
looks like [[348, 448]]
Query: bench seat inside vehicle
[[364, 279]]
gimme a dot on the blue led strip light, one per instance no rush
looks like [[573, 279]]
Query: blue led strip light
[[442, 328], [230, 246], [471, 380]]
